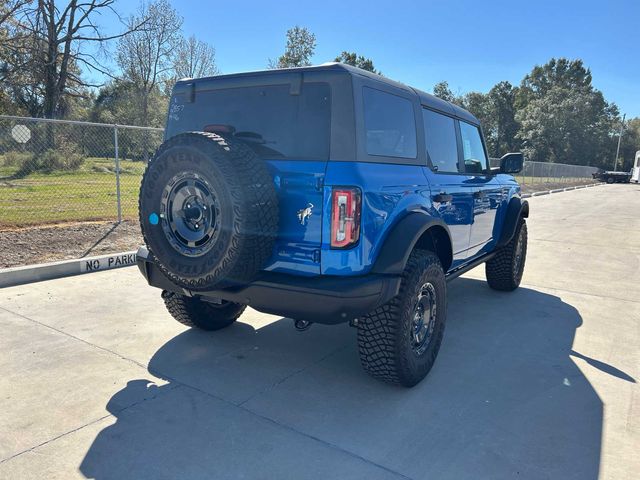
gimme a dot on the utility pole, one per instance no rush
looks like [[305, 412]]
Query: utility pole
[[615, 164]]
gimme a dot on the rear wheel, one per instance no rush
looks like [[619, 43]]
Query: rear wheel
[[399, 341], [504, 271], [195, 312]]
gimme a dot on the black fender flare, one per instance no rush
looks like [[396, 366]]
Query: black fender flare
[[516, 209], [404, 237]]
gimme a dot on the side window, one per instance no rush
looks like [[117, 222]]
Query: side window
[[475, 160], [440, 138], [389, 124]]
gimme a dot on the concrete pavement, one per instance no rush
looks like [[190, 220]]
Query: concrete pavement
[[99, 382]]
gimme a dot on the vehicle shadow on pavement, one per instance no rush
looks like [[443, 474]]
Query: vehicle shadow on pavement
[[504, 400]]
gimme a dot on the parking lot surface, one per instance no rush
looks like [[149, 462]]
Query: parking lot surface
[[97, 381]]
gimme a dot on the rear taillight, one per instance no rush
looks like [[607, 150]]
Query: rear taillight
[[345, 217]]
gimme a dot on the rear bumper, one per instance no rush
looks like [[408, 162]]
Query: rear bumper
[[325, 299]]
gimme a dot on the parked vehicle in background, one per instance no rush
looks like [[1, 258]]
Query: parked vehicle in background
[[327, 194], [612, 177], [635, 171]]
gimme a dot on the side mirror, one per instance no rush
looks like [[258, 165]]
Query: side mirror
[[512, 163]]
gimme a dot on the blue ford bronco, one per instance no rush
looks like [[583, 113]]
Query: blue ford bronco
[[327, 194]]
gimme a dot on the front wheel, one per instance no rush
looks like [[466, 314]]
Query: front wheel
[[399, 341], [198, 313], [504, 271]]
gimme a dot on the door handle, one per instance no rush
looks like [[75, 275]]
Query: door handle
[[443, 198], [479, 194]]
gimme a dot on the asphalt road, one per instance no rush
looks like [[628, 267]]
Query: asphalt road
[[97, 381]]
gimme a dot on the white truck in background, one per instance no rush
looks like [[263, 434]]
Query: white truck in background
[[635, 171]]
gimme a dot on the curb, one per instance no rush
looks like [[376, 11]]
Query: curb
[[10, 277], [558, 190]]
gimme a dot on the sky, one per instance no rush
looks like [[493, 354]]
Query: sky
[[471, 44]]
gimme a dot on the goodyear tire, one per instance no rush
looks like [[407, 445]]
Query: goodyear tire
[[399, 341], [208, 211], [196, 313], [504, 271]]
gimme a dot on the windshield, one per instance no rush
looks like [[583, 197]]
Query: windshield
[[273, 122]]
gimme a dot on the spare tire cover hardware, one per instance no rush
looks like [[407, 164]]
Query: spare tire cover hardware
[[192, 214]]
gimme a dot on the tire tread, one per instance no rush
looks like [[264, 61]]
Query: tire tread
[[195, 313], [499, 269], [380, 354]]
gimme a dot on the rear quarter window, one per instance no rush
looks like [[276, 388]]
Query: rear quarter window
[[390, 125], [275, 123]]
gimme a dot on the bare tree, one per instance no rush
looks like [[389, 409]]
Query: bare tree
[[12, 58], [194, 59], [8, 9], [145, 56], [48, 38]]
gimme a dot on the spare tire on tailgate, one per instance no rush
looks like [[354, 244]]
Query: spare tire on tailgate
[[208, 211]]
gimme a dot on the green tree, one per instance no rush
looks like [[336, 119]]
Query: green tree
[[301, 44], [496, 112], [442, 90], [563, 117], [502, 100], [119, 102], [355, 60], [561, 72]]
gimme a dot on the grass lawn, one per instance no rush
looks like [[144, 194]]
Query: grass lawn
[[85, 194]]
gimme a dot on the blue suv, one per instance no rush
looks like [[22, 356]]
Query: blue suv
[[327, 194]]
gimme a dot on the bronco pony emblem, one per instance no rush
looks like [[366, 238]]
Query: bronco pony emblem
[[305, 213]]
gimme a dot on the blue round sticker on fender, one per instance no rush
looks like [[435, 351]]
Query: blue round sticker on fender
[[154, 219]]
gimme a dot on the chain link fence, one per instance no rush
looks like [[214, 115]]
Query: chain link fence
[[536, 173], [54, 171]]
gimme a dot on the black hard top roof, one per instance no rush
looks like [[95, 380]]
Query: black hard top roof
[[426, 99]]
